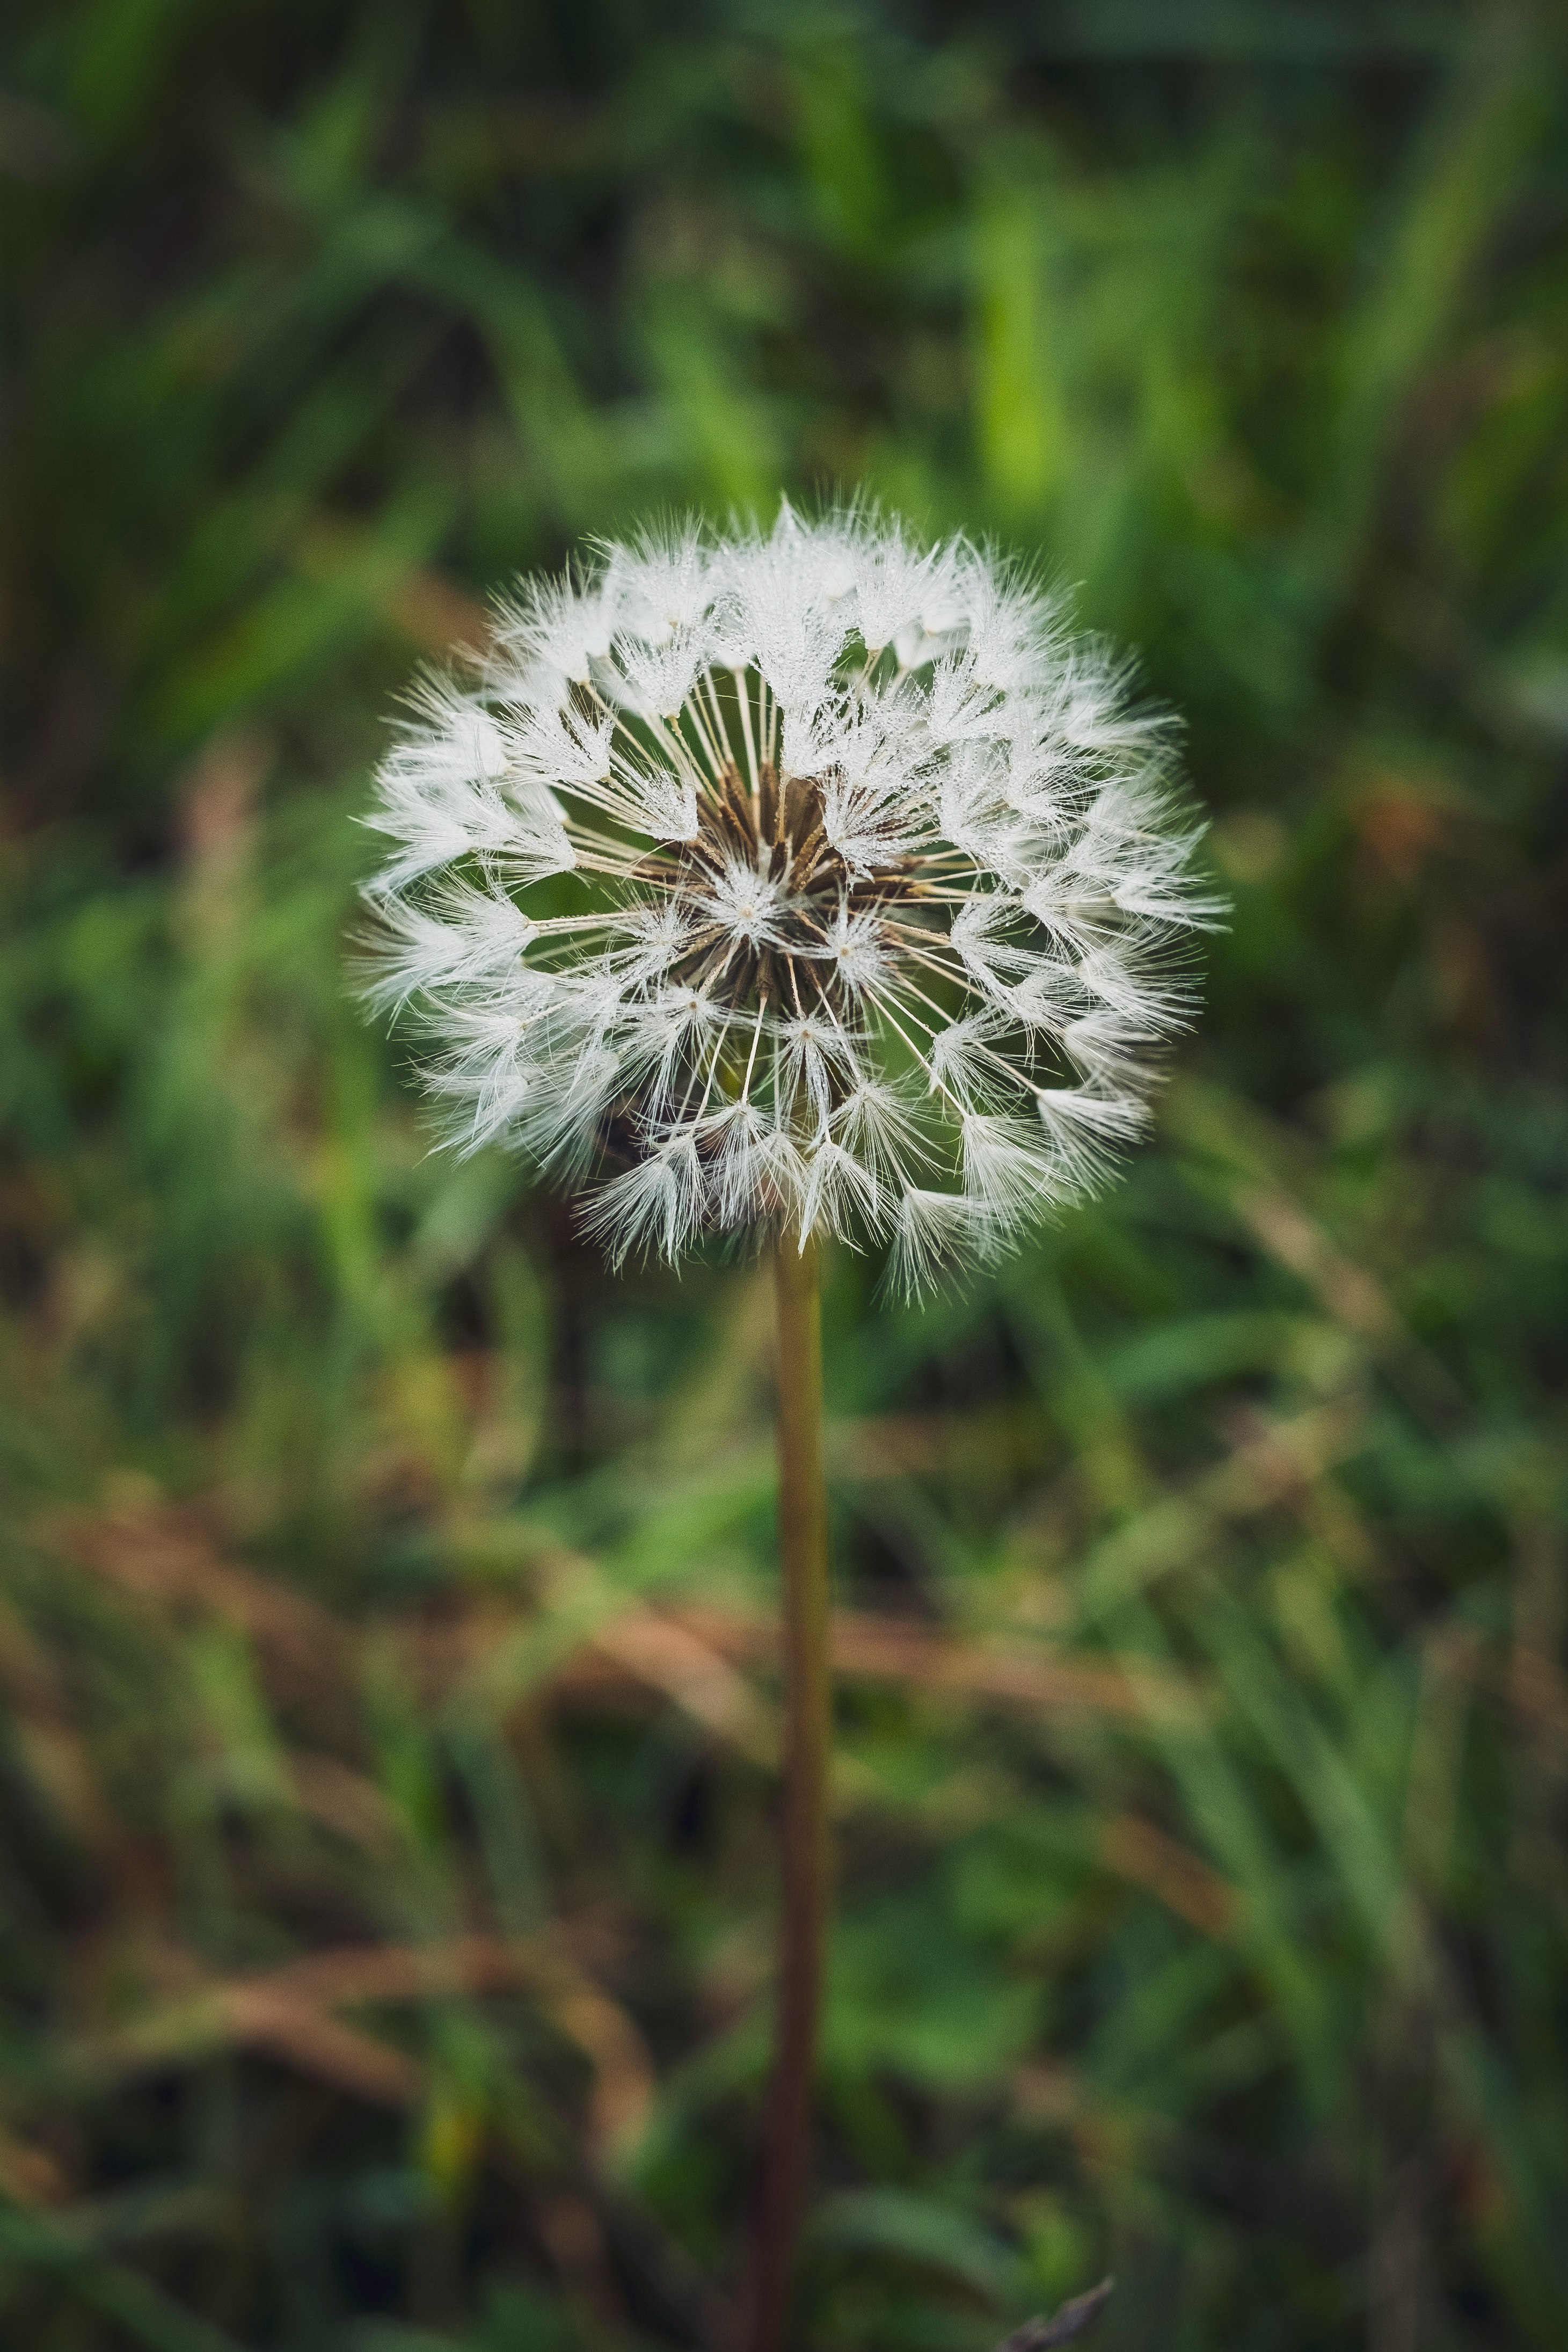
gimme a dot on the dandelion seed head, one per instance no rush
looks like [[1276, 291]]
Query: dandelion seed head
[[809, 881]]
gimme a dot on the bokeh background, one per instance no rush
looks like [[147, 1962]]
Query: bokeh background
[[390, 1715]]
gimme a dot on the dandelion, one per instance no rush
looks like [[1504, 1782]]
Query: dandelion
[[803, 884]]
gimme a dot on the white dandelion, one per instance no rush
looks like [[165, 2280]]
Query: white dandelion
[[800, 884], [810, 883]]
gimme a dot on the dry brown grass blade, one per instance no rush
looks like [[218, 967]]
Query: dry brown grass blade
[[344, 1801], [257, 2017], [886, 1649], [30, 2176], [1351, 1295], [167, 1555], [624, 2084], [578, 2008], [1278, 1461], [1138, 1851], [288, 2012], [672, 1657]]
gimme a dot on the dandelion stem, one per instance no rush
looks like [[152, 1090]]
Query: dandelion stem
[[803, 1558]]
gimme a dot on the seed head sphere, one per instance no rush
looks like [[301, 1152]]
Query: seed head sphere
[[812, 881]]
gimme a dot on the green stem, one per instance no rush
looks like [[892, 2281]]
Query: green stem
[[808, 1736]]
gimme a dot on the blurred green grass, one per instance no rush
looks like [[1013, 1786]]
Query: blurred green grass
[[389, 1712]]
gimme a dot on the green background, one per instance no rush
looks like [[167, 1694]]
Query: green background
[[387, 1761]]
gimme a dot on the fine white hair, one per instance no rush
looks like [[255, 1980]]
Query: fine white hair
[[807, 880]]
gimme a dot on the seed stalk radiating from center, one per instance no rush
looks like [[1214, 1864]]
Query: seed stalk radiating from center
[[808, 883]]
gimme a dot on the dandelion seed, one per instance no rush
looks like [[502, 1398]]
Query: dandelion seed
[[806, 881]]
